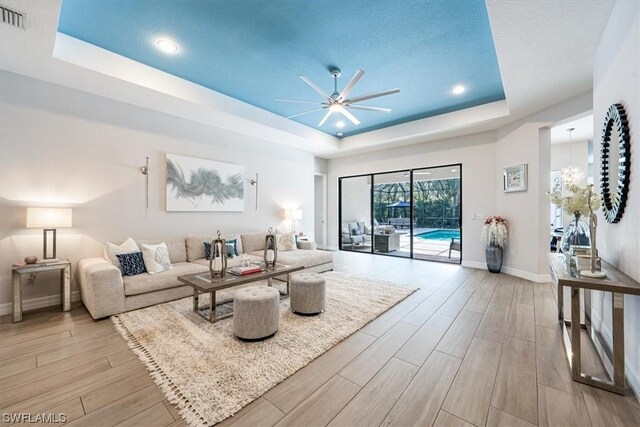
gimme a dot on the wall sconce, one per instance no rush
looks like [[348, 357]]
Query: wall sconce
[[254, 182], [49, 219], [144, 170]]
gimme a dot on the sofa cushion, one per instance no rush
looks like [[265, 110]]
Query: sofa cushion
[[156, 258], [111, 250], [132, 264], [286, 242], [302, 258], [195, 247], [177, 248], [252, 242], [143, 283]]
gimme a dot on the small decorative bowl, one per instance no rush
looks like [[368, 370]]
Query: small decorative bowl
[[31, 259]]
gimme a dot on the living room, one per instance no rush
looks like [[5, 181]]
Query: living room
[[93, 110]]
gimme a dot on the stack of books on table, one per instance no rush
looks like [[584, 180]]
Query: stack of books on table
[[243, 271]]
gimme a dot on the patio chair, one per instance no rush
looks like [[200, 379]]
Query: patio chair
[[355, 234], [454, 246]]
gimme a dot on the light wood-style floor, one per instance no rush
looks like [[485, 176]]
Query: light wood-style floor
[[468, 348]]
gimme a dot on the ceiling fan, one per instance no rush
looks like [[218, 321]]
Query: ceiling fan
[[338, 102]]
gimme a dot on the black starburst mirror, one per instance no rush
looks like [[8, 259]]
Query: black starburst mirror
[[615, 163]]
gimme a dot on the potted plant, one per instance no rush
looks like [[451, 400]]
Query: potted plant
[[494, 237]]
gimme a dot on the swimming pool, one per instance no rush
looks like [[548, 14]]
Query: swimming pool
[[439, 235]]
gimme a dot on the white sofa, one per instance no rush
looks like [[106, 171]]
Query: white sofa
[[106, 292]]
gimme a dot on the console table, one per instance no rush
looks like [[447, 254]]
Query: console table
[[619, 284], [62, 266]]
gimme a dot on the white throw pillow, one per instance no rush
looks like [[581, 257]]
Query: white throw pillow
[[156, 258], [286, 242], [111, 250]]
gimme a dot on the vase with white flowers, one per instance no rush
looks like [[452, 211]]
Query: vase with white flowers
[[575, 204], [495, 235]]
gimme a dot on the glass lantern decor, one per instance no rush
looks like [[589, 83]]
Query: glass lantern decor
[[270, 249], [218, 260]]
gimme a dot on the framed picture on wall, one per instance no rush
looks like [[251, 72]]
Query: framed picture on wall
[[194, 184], [515, 178]]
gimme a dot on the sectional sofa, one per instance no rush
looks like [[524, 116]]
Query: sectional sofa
[[105, 291]]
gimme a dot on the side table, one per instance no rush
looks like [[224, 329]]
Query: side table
[[63, 266]]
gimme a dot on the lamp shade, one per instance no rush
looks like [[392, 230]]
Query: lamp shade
[[48, 217], [293, 214]]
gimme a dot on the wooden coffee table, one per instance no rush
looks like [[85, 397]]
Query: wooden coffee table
[[203, 283]]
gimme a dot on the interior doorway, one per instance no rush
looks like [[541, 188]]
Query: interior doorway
[[320, 210]]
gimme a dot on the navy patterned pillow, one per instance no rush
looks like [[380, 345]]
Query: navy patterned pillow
[[132, 264], [234, 242], [207, 250], [230, 250]]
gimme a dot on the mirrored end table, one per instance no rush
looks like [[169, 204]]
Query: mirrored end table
[[63, 266]]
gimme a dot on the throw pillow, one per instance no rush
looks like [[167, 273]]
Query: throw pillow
[[132, 264], [207, 250], [233, 242], [231, 250], [361, 229], [156, 258], [367, 229], [286, 242], [111, 250]]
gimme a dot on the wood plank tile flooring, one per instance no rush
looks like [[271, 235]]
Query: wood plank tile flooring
[[469, 348]]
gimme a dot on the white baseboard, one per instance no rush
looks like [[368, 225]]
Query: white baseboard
[[538, 278], [632, 376], [40, 302], [330, 248]]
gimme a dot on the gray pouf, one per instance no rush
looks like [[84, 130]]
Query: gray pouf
[[308, 293], [256, 312]]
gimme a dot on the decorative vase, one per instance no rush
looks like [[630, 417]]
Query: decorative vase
[[493, 255], [575, 234]]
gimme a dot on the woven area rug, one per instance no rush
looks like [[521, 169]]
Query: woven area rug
[[210, 375]]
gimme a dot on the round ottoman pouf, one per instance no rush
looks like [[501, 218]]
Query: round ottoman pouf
[[308, 293], [256, 312]]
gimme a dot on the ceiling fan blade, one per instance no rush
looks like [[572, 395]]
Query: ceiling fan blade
[[371, 96], [368, 108], [315, 87], [297, 101], [324, 119], [349, 116], [306, 112], [349, 87]]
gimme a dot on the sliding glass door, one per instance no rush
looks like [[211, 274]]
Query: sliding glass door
[[356, 230], [392, 213], [413, 213], [437, 200]]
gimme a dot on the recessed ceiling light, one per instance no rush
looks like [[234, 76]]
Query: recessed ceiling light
[[458, 90], [167, 45], [340, 124], [339, 134]]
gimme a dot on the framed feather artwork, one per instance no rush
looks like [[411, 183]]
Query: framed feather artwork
[[201, 185]]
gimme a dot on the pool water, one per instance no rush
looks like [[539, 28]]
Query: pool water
[[439, 235]]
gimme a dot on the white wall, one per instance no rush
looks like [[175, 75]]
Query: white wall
[[616, 80], [63, 147], [356, 200], [475, 152]]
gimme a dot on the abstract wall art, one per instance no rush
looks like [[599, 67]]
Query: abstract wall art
[[201, 185]]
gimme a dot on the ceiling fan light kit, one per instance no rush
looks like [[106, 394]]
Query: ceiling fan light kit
[[338, 102]]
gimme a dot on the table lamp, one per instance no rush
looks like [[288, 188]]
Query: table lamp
[[293, 215], [49, 219]]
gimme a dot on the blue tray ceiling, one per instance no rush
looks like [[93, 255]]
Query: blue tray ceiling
[[254, 50]]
